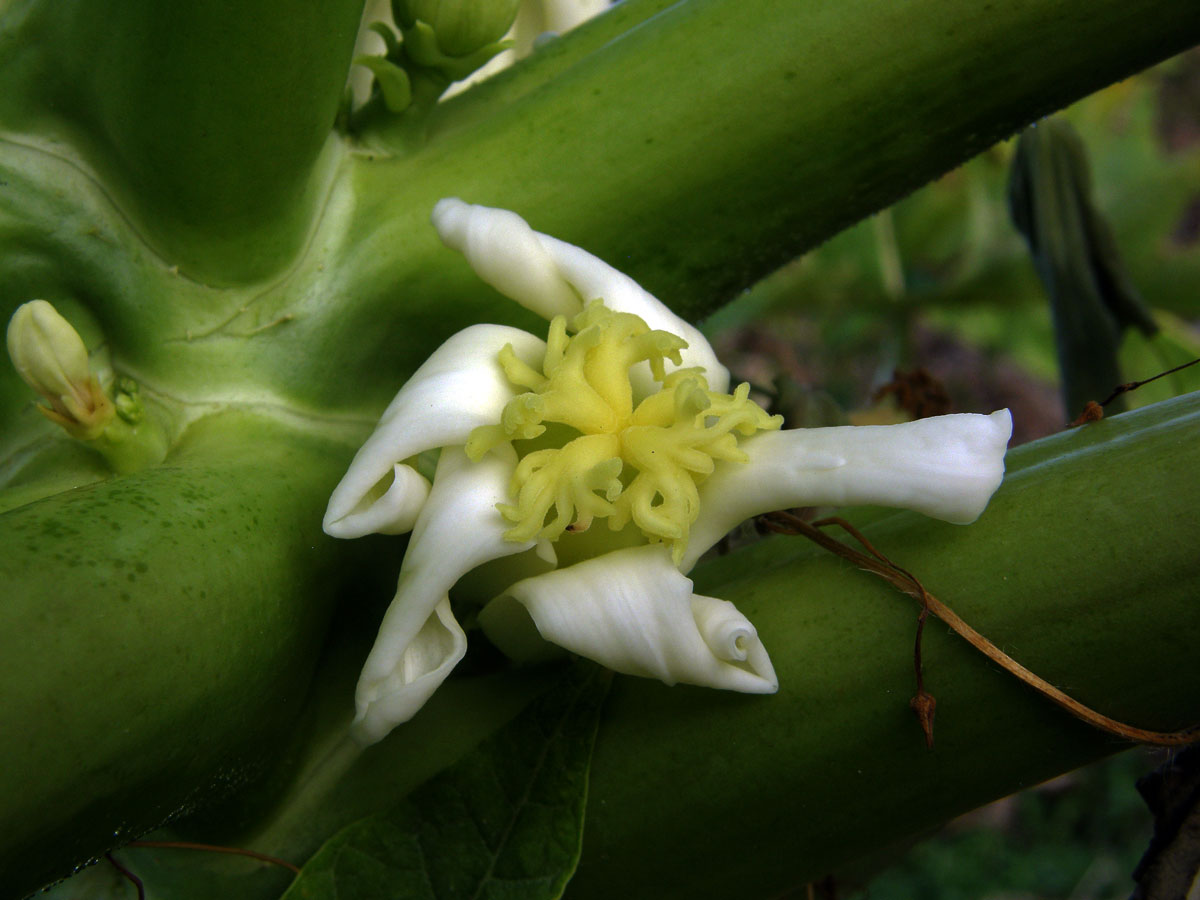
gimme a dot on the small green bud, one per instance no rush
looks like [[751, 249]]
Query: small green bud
[[461, 26], [128, 401], [51, 358]]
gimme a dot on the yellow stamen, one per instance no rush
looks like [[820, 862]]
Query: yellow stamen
[[663, 445]]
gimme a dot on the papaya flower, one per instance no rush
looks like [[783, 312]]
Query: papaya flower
[[584, 475], [51, 358]]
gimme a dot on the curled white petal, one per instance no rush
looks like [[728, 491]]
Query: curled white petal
[[729, 634], [506, 253], [946, 467], [551, 277], [634, 612], [457, 530], [422, 667], [459, 387]]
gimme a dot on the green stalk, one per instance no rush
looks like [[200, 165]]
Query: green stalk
[[710, 142], [157, 636], [1083, 568], [204, 120], [698, 151], [720, 138]]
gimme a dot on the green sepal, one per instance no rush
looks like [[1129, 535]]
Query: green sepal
[[393, 81], [421, 46]]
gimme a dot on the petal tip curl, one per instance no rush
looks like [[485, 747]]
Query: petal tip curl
[[632, 611], [391, 690]]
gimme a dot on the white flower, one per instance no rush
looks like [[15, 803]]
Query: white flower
[[51, 358], [622, 415]]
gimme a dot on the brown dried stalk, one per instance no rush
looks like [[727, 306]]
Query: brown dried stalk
[[923, 703]]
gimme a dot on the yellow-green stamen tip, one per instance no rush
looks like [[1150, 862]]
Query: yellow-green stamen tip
[[626, 458]]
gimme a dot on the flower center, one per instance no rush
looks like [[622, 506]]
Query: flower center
[[623, 457]]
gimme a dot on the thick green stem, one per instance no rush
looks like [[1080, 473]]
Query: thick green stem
[[706, 146], [1083, 568], [720, 138], [158, 632], [697, 151], [834, 767], [205, 119]]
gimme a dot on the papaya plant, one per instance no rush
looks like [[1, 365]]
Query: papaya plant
[[237, 273]]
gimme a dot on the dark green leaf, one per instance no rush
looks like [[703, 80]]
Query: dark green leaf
[[506, 822], [1091, 294]]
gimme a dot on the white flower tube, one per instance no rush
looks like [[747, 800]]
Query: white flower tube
[[460, 387], [506, 253], [946, 467], [634, 612], [419, 641]]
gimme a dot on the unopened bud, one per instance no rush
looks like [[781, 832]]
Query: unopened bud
[[51, 358], [461, 26]]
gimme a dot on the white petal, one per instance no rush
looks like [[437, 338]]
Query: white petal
[[458, 388], [634, 612], [946, 467], [541, 273], [457, 530], [562, 15], [429, 657], [505, 252]]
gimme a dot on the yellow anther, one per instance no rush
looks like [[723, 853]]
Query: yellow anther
[[567, 480], [665, 444]]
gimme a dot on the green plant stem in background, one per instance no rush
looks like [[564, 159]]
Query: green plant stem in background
[[777, 124], [204, 120], [701, 176], [157, 636], [808, 118]]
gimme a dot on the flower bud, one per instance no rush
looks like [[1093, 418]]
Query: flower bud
[[461, 26], [51, 358]]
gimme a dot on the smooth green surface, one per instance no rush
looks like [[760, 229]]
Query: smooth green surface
[[834, 767], [836, 113], [204, 119], [157, 635]]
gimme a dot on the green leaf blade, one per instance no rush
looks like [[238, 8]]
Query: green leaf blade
[[505, 823]]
